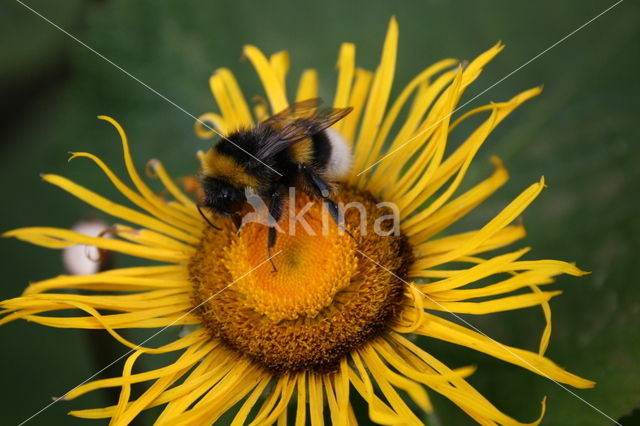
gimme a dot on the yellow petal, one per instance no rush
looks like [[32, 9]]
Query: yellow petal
[[230, 100], [433, 222], [446, 330], [120, 211], [271, 80], [206, 125], [315, 400], [128, 279], [497, 305], [58, 238], [358, 97], [502, 238], [308, 87], [168, 214], [280, 64], [473, 274], [301, 406], [378, 97], [503, 219], [346, 67]]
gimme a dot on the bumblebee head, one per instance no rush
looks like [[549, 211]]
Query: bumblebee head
[[222, 197]]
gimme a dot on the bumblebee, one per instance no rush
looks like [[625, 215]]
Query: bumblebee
[[294, 148]]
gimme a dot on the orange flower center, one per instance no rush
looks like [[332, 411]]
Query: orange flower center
[[323, 298]]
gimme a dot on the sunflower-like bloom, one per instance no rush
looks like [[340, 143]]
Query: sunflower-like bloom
[[339, 315]]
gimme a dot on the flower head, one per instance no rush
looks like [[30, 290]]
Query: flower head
[[329, 313]]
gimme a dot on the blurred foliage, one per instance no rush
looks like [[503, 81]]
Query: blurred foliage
[[581, 133]]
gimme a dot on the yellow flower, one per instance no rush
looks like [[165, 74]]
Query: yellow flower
[[338, 316]]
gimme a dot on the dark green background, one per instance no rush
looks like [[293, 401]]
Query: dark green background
[[581, 133]]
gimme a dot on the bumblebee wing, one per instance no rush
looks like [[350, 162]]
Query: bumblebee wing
[[306, 115], [324, 118], [302, 109], [297, 123]]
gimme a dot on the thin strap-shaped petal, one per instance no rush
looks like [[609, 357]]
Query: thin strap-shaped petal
[[165, 271], [168, 214], [358, 98], [230, 100], [220, 362], [209, 125], [271, 81], [60, 238], [388, 380], [192, 355], [271, 416], [414, 200], [148, 399], [346, 67], [378, 97], [301, 404], [315, 400], [502, 304], [125, 393], [427, 376], [435, 117], [238, 382], [445, 244], [229, 391], [404, 324], [237, 98], [413, 133], [416, 83], [453, 162], [334, 412], [474, 273], [151, 318], [342, 392], [450, 332], [548, 265], [436, 127], [379, 412], [546, 333], [504, 218], [146, 192], [122, 303], [105, 281], [461, 392], [280, 63], [100, 321], [117, 210], [151, 239], [243, 413], [282, 419], [308, 86], [515, 282], [202, 373], [456, 209]]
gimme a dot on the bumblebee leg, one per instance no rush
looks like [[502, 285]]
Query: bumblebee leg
[[237, 221], [335, 214], [206, 218], [321, 188], [275, 212]]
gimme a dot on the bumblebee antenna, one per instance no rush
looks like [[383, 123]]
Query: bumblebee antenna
[[207, 219]]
